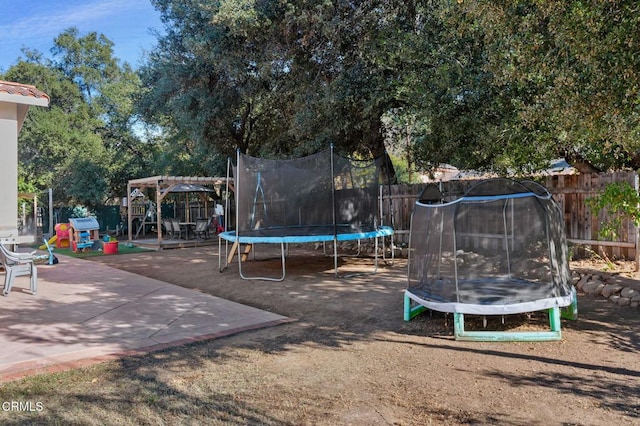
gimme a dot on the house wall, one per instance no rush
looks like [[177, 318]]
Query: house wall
[[9, 170]]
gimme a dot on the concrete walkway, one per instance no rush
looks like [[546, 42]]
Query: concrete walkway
[[86, 312]]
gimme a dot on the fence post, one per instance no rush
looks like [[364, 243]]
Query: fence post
[[637, 238]]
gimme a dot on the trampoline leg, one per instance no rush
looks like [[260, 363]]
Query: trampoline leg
[[226, 248], [388, 261], [375, 255], [554, 332], [355, 274], [282, 259], [335, 257], [554, 319], [571, 312], [458, 325], [411, 309]]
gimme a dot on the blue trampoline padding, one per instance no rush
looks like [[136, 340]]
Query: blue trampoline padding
[[294, 235]]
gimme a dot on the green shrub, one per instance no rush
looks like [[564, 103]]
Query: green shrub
[[621, 202]]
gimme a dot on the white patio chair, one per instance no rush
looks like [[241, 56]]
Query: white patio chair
[[18, 264]]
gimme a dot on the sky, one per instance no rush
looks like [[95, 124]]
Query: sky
[[36, 23]]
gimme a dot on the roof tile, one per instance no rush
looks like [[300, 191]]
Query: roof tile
[[21, 89]]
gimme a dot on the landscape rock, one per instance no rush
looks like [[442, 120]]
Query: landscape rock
[[615, 280], [581, 282], [593, 287], [624, 301], [611, 289]]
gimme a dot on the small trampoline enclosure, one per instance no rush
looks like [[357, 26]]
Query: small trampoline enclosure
[[499, 249]]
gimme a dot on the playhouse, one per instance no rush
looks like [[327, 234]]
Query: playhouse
[[84, 233]]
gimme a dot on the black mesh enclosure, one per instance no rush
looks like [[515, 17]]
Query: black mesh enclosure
[[321, 194], [501, 248]]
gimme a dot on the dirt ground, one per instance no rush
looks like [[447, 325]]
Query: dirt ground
[[350, 358]]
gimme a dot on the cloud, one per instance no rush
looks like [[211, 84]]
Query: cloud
[[52, 17], [36, 23]]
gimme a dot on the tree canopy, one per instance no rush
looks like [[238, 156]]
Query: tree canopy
[[567, 70], [503, 86], [84, 145], [506, 86]]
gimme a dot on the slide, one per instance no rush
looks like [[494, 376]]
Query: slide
[[51, 241]]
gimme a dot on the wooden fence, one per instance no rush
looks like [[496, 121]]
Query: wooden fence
[[583, 225], [570, 191]]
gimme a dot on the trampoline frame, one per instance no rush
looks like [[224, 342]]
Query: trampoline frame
[[413, 309], [285, 240]]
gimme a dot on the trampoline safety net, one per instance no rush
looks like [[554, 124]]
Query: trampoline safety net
[[321, 194], [499, 249]]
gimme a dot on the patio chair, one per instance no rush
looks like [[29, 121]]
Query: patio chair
[[18, 264], [202, 228], [178, 230], [168, 228]]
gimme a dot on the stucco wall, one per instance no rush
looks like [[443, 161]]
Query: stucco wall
[[8, 169]]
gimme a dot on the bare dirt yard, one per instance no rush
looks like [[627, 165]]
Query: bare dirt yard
[[349, 359]]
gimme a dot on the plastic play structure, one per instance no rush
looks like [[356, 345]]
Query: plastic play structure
[[61, 237], [319, 198], [84, 233], [500, 249]]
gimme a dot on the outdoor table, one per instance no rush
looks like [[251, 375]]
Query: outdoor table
[[188, 226]]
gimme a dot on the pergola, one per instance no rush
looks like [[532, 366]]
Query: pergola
[[163, 186]]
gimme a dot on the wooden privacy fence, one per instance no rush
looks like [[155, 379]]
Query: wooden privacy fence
[[569, 191], [583, 225]]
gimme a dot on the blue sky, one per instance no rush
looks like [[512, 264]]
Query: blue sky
[[35, 23]]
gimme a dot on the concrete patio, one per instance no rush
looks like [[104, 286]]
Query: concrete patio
[[86, 312]]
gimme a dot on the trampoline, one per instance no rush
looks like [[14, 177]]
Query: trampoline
[[500, 249], [321, 198]]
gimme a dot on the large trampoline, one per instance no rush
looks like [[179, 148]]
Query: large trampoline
[[321, 198], [499, 249]]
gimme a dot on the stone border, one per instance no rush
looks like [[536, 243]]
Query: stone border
[[620, 290]]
